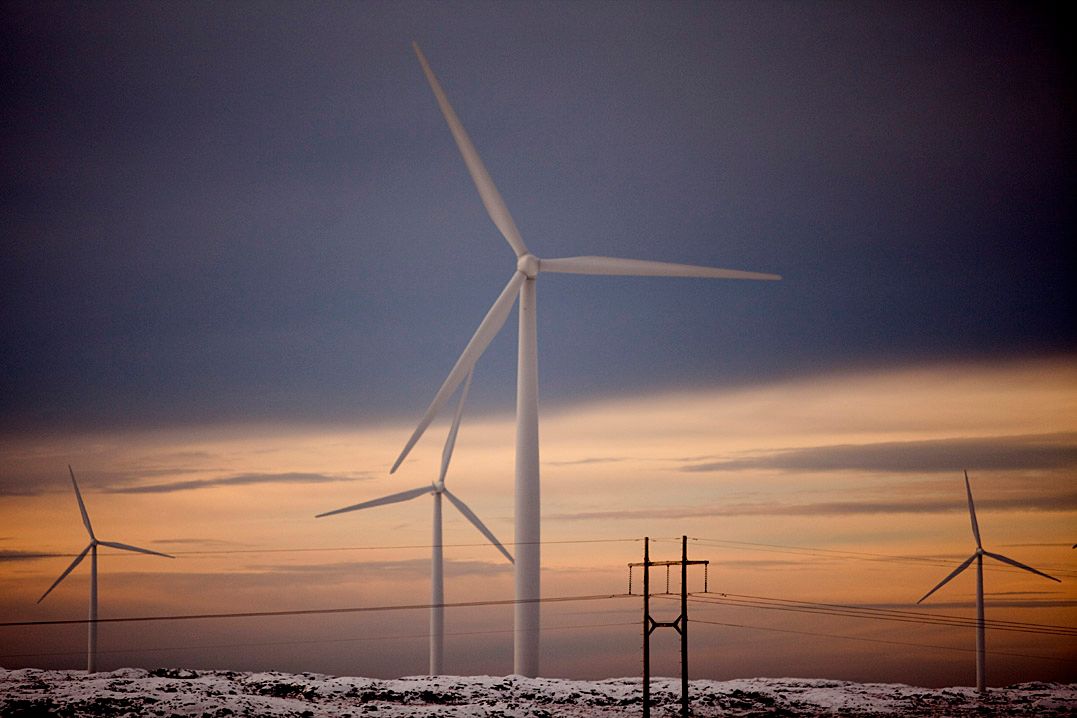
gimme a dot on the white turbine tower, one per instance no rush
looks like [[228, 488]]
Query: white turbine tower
[[91, 638], [522, 282], [978, 557], [437, 576]]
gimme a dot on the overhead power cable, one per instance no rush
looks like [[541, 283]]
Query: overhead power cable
[[927, 619], [318, 611], [320, 549], [1063, 571], [894, 611], [355, 639]]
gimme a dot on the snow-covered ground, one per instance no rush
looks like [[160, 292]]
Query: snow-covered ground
[[168, 692]]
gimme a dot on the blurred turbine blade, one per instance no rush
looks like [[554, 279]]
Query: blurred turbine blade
[[946, 580], [391, 499], [76, 562], [491, 198], [972, 512], [136, 549], [477, 522], [642, 268], [1018, 564], [489, 327], [82, 506], [450, 442]]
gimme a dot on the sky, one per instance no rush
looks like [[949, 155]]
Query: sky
[[242, 252]]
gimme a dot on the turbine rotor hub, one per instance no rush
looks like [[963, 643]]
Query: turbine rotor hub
[[979, 551], [439, 487], [528, 264]]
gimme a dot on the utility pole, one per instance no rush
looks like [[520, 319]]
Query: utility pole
[[684, 626], [679, 624]]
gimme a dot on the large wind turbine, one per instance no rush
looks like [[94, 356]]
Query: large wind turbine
[[91, 638], [978, 557], [522, 283], [437, 576]]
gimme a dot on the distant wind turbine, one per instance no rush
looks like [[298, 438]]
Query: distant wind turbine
[[522, 282], [437, 575], [91, 638], [978, 557]]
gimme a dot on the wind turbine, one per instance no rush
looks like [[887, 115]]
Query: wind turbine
[[522, 283], [437, 576], [978, 557], [91, 638]]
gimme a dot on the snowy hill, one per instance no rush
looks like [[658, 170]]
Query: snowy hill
[[168, 692]]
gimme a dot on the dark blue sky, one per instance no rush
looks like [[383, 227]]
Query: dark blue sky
[[254, 211]]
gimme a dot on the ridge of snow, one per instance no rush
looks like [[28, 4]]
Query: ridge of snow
[[186, 692]]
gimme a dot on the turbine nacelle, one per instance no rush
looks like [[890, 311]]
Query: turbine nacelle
[[528, 265]]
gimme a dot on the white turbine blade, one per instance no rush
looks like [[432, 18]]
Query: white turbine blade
[[642, 268], [82, 506], [972, 512], [946, 580], [491, 198], [1018, 564], [489, 327], [76, 562], [450, 442], [136, 549], [477, 522], [391, 499]]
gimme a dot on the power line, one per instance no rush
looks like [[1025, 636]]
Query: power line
[[861, 555], [894, 611], [319, 549], [882, 615], [402, 636], [318, 611], [737, 600], [400, 547], [928, 619], [746, 545], [917, 614], [847, 554], [880, 640]]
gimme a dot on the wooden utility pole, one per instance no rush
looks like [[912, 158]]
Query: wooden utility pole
[[679, 624]]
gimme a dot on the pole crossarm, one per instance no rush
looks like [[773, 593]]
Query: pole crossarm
[[666, 563], [674, 624]]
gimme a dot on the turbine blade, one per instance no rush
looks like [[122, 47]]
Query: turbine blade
[[642, 268], [946, 580], [76, 562], [491, 198], [489, 327], [972, 512], [450, 442], [390, 499], [82, 506], [477, 522], [136, 549], [1018, 564]]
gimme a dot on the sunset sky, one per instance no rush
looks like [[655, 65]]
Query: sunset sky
[[242, 252]]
